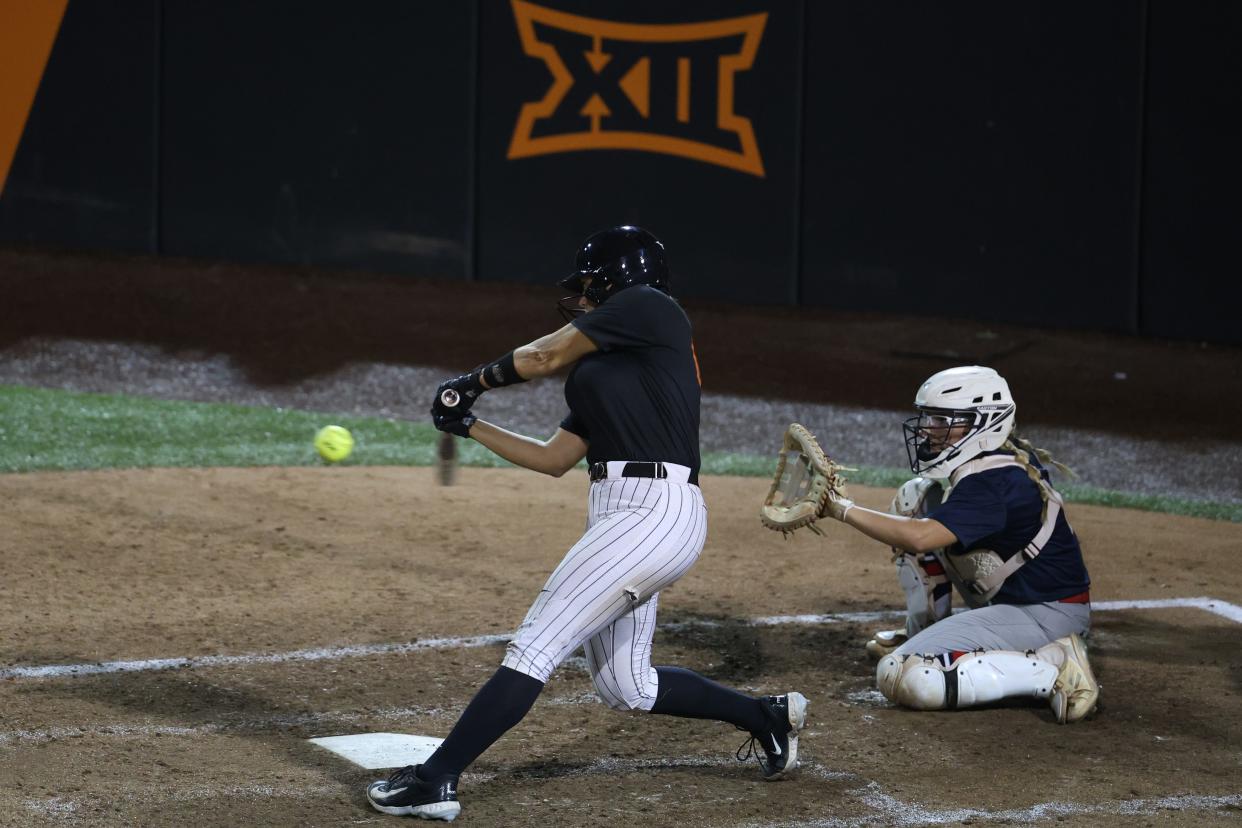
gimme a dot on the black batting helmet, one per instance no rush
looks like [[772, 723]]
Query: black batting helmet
[[617, 258]]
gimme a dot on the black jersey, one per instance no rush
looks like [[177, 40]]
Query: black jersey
[[637, 397]]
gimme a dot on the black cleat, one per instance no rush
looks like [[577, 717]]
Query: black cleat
[[779, 745], [405, 794]]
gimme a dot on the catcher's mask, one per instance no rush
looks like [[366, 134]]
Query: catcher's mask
[[975, 414], [614, 259]]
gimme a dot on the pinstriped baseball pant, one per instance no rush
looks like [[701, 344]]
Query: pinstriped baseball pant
[[642, 535]]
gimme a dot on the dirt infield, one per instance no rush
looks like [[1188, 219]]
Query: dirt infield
[[140, 565]]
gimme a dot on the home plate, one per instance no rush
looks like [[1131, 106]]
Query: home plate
[[375, 751]]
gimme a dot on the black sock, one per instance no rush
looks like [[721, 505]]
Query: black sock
[[687, 694], [498, 706]]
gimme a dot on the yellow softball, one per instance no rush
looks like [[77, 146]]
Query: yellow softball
[[334, 443]]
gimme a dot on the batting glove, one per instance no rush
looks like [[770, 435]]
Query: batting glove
[[468, 389], [453, 423]]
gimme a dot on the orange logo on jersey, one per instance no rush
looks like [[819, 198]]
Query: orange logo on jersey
[[655, 88]]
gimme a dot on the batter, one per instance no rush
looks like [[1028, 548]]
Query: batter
[[633, 398]]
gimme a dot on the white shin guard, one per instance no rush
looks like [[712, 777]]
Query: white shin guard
[[924, 683]]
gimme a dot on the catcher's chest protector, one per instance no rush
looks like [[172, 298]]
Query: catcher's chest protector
[[980, 573]]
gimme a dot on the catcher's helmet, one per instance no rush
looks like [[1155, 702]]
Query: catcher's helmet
[[972, 397], [615, 259]]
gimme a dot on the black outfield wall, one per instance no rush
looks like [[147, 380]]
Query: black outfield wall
[[1054, 163], [976, 158], [318, 133], [1191, 278]]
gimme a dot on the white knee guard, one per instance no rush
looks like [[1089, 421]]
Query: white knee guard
[[924, 683]]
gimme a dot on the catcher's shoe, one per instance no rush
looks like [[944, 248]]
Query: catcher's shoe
[[406, 794], [779, 746], [885, 642], [1075, 693]]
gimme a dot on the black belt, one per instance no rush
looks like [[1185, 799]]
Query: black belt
[[655, 469]]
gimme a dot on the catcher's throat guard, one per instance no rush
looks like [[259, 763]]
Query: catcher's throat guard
[[805, 482]]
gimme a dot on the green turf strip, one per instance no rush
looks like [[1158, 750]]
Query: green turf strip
[[43, 429]]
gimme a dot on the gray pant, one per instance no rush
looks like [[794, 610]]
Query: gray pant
[[1001, 627]]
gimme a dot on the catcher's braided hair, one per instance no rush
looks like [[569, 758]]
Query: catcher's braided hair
[[1022, 451]]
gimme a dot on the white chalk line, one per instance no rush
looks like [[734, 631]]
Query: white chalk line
[[247, 659], [61, 806], [885, 808], [889, 810], [1222, 608], [251, 724], [227, 726]]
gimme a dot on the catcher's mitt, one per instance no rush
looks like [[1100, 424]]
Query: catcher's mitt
[[807, 485]]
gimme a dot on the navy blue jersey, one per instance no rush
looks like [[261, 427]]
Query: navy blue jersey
[[999, 509], [637, 397]]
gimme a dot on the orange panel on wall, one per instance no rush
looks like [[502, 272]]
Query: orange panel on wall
[[26, 39]]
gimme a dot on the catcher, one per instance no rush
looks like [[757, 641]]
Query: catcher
[[1000, 535]]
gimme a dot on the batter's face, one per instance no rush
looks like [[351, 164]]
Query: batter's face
[[586, 304]]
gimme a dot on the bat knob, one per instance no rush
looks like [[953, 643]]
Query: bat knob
[[450, 398]]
